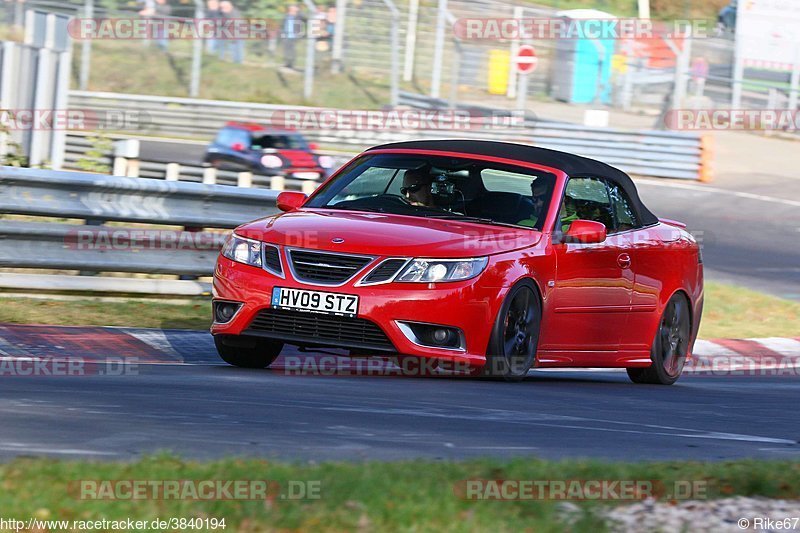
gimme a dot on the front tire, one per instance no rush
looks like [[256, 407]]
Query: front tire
[[670, 346], [247, 352], [515, 335]]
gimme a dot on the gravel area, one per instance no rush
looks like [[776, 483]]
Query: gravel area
[[719, 516]]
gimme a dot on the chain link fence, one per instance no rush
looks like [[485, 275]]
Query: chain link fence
[[431, 60]]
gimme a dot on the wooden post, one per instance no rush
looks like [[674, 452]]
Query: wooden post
[[210, 176], [309, 187], [706, 158], [120, 166], [245, 179], [173, 172], [277, 183], [133, 168]]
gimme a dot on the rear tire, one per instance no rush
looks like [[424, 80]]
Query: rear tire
[[515, 335], [247, 352], [670, 345]]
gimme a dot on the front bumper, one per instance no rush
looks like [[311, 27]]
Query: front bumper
[[466, 305]]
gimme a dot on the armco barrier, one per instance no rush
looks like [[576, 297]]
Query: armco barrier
[[166, 249], [638, 152], [190, 168]]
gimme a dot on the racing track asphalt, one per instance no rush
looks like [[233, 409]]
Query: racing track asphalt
[[750, 237], [211, 410]]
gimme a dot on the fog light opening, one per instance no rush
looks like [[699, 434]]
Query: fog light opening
[[225, 311], [433, 335], [440, 336]]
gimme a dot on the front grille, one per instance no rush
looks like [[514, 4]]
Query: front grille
[[317, 329], [384, 271], [272, 259], [326, 268]]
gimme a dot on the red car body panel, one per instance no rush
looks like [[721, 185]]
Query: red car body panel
[[601, 303], [387, 234], [298, 158]]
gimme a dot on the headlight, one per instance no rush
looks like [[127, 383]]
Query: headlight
[[271, 161], [242, 250], [325, 161], [435, 270]]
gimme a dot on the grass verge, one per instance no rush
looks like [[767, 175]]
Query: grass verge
[[169, 73], [371, 496], [195, 314], [734, 313], [730, 312]]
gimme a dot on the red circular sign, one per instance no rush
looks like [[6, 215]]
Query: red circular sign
[[526, 59]]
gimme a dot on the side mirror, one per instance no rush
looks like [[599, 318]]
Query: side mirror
[[313, 147], [586, 231], [290, 200], [239, 147]]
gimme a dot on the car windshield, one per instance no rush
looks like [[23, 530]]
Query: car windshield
[[279, 142], [441, 187]]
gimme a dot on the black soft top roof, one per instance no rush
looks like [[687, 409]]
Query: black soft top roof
[[573, 165]]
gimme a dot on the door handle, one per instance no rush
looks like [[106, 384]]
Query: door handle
[[624, 261]]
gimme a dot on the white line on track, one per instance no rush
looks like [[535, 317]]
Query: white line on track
[[565, 422], [780, 450], [498, 448], [27, 448], [717, 190]]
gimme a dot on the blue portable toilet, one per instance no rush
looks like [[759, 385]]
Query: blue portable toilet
[[581, 67]]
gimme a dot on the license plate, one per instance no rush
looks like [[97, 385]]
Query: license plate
[[331, 303], [306, 175]]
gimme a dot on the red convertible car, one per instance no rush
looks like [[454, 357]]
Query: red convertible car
[[493, 256]]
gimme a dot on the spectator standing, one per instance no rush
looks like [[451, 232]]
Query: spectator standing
[[213, 14], [147, 10], [330, 18], [320, 28], [158, 10], [163, 11], [229, 12], [291, 31]]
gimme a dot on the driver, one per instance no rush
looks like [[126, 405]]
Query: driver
[[417, 187], [538, 195]]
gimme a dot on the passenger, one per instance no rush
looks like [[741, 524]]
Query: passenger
[[568, 214]]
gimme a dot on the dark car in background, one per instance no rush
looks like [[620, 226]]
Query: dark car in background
[[242, 147]]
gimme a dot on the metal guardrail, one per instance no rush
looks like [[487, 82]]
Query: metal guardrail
[[190, 169], [107, 248], [93, 196], [163, 248], [644, 153], [640, 152], [182, 118]]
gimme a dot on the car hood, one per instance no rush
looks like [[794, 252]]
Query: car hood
[[387, 234]]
